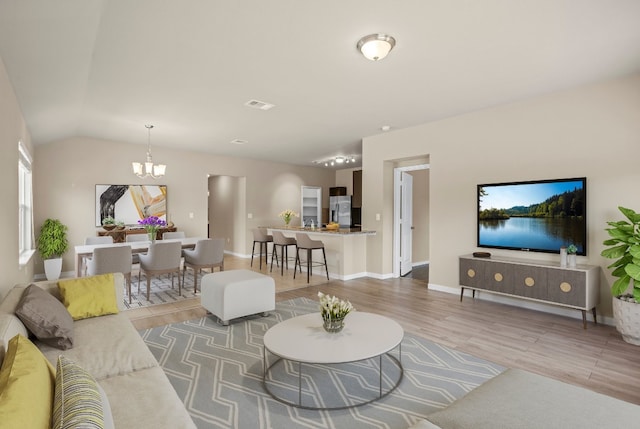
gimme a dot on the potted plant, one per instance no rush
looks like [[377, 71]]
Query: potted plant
[[52, 243], [625, 249], [108, 223], [572, 250]]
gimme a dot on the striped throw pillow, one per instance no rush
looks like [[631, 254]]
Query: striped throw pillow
[[77, 402]]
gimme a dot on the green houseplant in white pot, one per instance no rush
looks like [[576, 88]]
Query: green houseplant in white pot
[[52, 243], [624, 247]]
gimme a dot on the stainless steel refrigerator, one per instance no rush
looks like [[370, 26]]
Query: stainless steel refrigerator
[[340, 210]]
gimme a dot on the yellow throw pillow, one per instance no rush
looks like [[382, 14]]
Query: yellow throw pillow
[[87, 297], [27, 382]]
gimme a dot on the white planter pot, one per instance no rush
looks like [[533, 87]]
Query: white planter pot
[[53, 268], [627, 315]]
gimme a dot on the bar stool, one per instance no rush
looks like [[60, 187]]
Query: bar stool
[[279, 240], [260, 236], [305, 243]]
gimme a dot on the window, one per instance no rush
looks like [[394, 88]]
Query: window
[[25, 206]]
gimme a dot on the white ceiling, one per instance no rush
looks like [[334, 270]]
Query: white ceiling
[[105, 68]]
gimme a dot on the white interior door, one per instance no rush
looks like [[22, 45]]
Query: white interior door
[[406, 222]]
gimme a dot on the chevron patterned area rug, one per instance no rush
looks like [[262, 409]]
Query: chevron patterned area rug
[[217, 371], [161, 291]]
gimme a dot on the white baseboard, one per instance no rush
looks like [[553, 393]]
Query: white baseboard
[[523, 303]]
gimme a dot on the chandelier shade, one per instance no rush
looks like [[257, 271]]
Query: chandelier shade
[[148, 168]]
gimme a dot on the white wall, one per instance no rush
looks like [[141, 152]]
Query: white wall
[[12, 130], [68, 170], [592, 131]]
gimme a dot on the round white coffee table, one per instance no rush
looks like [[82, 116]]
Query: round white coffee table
[[303, 340]]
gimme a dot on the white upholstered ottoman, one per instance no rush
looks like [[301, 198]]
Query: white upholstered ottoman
[[237, 293]]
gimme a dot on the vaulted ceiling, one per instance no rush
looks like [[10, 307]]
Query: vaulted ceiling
[[105, 68]]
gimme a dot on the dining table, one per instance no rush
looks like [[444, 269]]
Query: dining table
[[86, 250]]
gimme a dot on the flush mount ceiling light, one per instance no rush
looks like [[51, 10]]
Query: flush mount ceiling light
[[150, 170], [376, 46]]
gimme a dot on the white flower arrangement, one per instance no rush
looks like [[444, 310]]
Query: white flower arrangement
[[332, 308], [286, 215]]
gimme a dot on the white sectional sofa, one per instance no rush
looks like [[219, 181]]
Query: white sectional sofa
[[518, 399], [110, 349]]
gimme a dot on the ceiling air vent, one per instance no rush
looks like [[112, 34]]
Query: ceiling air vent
[[257, 104]]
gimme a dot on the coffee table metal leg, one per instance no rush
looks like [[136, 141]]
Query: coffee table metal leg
[[300, 383], [380, 376], [264, 364]]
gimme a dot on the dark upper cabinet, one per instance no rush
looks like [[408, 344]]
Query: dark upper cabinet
[[356, 201]]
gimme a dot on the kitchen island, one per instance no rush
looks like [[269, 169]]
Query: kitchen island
[[346, 249]]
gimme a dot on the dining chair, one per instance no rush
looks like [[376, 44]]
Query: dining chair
[[135, 259], [162, 258], [113, 259], [98, 239], [279, 240], [306, 243], [208, 253], [174, 234], [260, 236]]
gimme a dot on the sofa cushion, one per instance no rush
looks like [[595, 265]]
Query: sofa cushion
[[46, 318], [150, 390], [10, 326], [77, 402], [105, 346], [26, 386], [520, 399], [87, 297]]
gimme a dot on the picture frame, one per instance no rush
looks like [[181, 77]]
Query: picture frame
[[130, 203]]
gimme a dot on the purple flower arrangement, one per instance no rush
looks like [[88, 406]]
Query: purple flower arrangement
[[152, 223]]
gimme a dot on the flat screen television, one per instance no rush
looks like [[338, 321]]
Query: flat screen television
[[129, 203], [536, 216]]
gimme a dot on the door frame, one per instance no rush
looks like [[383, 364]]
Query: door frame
[[396, 212]]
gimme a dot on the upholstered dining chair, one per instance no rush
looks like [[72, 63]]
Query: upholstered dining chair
[[112, 259], [279, 240], [162, 258], [98, 239], [208, 253], [260, 236], [133, 238], [174, 234], [306, 243]]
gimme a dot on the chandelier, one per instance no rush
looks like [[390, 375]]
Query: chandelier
[[150, 170]]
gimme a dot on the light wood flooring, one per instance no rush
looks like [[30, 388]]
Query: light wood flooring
[[551, 345]]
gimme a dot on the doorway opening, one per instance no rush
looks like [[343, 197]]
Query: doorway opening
[[411, 221], [226, 208]]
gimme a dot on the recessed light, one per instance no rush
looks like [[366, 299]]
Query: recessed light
[[239, 141], [385, 127], [260, 105]]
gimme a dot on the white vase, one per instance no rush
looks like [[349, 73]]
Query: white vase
[[571, 258], [563, 256], [52, 268], [627, 316]]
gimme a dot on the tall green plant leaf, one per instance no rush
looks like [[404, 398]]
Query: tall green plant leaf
[[630, 214], [633, 271], [620, 286]]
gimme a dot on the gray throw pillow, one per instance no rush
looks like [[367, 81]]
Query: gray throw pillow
[[46, 318]]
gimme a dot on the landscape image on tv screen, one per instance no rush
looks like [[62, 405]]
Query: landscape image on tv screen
[[539, 216]]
